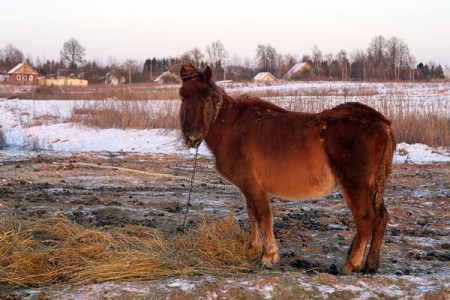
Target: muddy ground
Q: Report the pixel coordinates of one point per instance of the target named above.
(313, 235)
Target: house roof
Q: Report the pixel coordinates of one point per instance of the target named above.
(297, 67)
(13, 70)
(261, 75)
(166, 73)
(16, 68)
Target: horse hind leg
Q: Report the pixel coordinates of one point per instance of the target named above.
(379, 229)
(364, 217)
(382, 215)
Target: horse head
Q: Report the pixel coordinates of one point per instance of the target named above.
(199, 103)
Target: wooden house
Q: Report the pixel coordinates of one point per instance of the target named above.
(298, 70)
(23, 73)
(264, 77)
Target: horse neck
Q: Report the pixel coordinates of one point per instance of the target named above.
(224, 104)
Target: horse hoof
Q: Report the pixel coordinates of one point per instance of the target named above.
(349, 269)
(266, 263)
(371, 267)
(346, 270)
(269, 260)
(370, 270)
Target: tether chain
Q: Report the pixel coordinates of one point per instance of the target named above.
(153, 174)
(191, 187)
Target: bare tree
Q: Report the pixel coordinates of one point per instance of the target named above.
(12, 57)
(266, 56)
(377, 50)
(197, 56)
(193, 56)
(359, 64)
(72, 53)
(398, 54)
(392, 50)
(233, 65)
(216, 55)
(341, 57)
(290, 60)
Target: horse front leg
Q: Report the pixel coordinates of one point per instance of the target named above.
(255, 233)
(260, 216)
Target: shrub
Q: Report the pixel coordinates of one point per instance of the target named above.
(2, 139)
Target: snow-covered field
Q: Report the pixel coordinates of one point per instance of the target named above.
(40, 124)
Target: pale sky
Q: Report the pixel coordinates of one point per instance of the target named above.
(138, 29)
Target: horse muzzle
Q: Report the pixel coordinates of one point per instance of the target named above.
(193, 141)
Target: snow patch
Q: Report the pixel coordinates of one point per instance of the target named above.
(184, 285)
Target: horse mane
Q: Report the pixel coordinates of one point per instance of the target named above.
(258, 103)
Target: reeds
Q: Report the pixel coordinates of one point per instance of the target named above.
(127, 114)
(136, 91)
(432, 130)
(56, 250)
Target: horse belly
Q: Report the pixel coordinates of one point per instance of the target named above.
(303, 180)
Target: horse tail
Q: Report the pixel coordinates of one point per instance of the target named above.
(384, 169)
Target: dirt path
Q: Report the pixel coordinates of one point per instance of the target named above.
(313, 235)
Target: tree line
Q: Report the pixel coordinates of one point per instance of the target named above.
(383, 60)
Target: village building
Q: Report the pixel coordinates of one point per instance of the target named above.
(264, 77)
(23, 73)
(298, 71)
(166, 77)
(62, 81)
(3, 78)
(114, 78)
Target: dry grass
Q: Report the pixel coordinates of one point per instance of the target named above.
(127, 114)
(430, 130)
(56, 250)
(136, 91)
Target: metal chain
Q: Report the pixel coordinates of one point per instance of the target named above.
(190, 189)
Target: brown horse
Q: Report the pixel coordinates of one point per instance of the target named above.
(264, 149)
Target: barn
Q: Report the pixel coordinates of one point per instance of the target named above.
(298, 70)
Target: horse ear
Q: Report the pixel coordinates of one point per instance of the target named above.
(184, 73)
(207, 74)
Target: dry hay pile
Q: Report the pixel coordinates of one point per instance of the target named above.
(56, 250)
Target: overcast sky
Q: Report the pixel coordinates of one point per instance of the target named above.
(139, 29)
